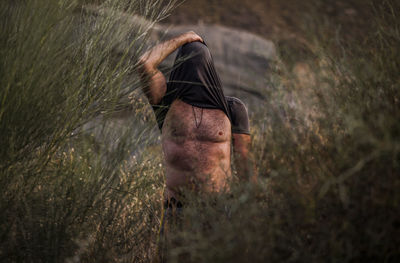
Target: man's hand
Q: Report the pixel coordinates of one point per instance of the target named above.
(191, 36)
(149, 61)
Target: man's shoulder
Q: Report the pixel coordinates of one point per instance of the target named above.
(239, 115)
(236, 106)
(234, 100)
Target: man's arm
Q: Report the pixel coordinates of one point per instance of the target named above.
(243, 157)
(156, 83)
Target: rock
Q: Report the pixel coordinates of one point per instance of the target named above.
(242, 59)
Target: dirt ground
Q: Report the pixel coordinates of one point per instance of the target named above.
(287, 22)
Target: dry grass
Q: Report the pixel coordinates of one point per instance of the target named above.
(326, 143)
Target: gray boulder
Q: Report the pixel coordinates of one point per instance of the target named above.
(242, 59)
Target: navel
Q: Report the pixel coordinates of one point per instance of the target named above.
(221, 133)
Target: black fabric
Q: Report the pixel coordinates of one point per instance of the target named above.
(195, 81)
(239, 116)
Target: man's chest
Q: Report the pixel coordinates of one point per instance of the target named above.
(187, 123)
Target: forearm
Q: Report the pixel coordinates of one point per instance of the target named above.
(153, 58)
(245, 166)
(154, 81)
(244, 160)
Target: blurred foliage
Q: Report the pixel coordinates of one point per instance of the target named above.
(70, 188)
(326, 143)
(79, 186)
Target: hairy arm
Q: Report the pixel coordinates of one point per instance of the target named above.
(243, 157)
(155, 80)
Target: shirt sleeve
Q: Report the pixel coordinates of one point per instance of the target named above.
(239, 116)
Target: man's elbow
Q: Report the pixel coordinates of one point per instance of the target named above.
(146, 69)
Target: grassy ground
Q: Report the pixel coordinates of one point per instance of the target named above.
(326, 142)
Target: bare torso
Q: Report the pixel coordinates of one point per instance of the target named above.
(196, 144)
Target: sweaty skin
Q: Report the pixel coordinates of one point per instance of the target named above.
(196, 149)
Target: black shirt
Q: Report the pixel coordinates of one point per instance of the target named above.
(195, 81)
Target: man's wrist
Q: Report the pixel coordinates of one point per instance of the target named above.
(184, 38)
(189, 37)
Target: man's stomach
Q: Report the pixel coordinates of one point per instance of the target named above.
(202, 169)
(196, 144)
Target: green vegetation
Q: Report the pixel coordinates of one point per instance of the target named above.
(326, 144)
(67, 191)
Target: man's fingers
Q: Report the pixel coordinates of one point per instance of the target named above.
(192, 37)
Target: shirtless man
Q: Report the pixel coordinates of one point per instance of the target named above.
(197, 122)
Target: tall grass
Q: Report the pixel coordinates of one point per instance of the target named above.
(326, 143)
(70, 191)
(79, 185)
